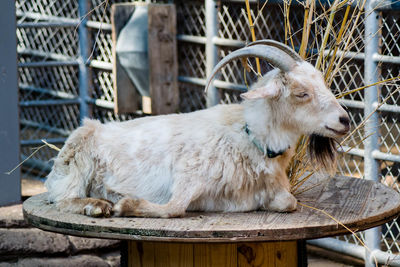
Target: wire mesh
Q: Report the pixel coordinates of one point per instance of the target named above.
(390, 121)
(47, 43)
(38, 119)
(66, 9)
(191, 18)
(192, 60)
(38, 84)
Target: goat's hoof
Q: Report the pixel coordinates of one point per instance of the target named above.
(283, 202)
(98, 208)
(127, 207)
(292, 206)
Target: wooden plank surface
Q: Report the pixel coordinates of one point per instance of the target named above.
(359, 204)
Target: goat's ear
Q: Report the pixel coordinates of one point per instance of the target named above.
(270, 90)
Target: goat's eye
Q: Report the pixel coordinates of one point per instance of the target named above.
(302, 95)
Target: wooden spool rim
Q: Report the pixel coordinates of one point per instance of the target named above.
(366, 204)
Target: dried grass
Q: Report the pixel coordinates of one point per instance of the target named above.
(35, 150)
(100, 30)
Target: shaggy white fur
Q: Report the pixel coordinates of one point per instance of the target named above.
(162, 166)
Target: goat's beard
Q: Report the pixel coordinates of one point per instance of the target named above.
(322, 152)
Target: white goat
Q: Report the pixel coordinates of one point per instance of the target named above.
(226, 158)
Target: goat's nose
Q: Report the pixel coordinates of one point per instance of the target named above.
(345, 121)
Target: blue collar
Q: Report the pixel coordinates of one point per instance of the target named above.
(265, 150)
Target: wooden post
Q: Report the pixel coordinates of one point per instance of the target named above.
(163, 59)
(262, 254)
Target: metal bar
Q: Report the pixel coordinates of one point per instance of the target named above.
(38, 53)
(217, 83)
(98, 25)
(386, 59)
(191, 39)
(229, 86)
(101, 103)
(352, 151)
(38, 64)
(355, 250)
(100, 65)
(376, 154)
(371, 167)
(57, 22)
(50, 102)
(371, 93)
(40, 16)
(361, 105)
(385, 156)
(51, 92)
(192, 80)
(36, 142)
(361, 56)
(47, 24)
(387, 107)
(215, 40)
(228, 42)
(83, 56)
(352, 103)
(347, 54)
(211, 49)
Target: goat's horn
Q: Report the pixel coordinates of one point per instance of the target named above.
(279, 45)
(273, 55)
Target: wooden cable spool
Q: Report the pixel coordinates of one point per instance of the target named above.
(258, 238)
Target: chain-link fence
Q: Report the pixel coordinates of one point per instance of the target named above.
(59, 86)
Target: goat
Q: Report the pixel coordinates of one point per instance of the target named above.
(229, 158)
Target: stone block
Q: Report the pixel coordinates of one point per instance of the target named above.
(84, 243)
(74, 261)
(32, 241)
(11, 217)
(113, 258)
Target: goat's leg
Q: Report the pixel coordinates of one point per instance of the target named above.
(88, 206)
(176, 207)
(283, 201)
(127, 207)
